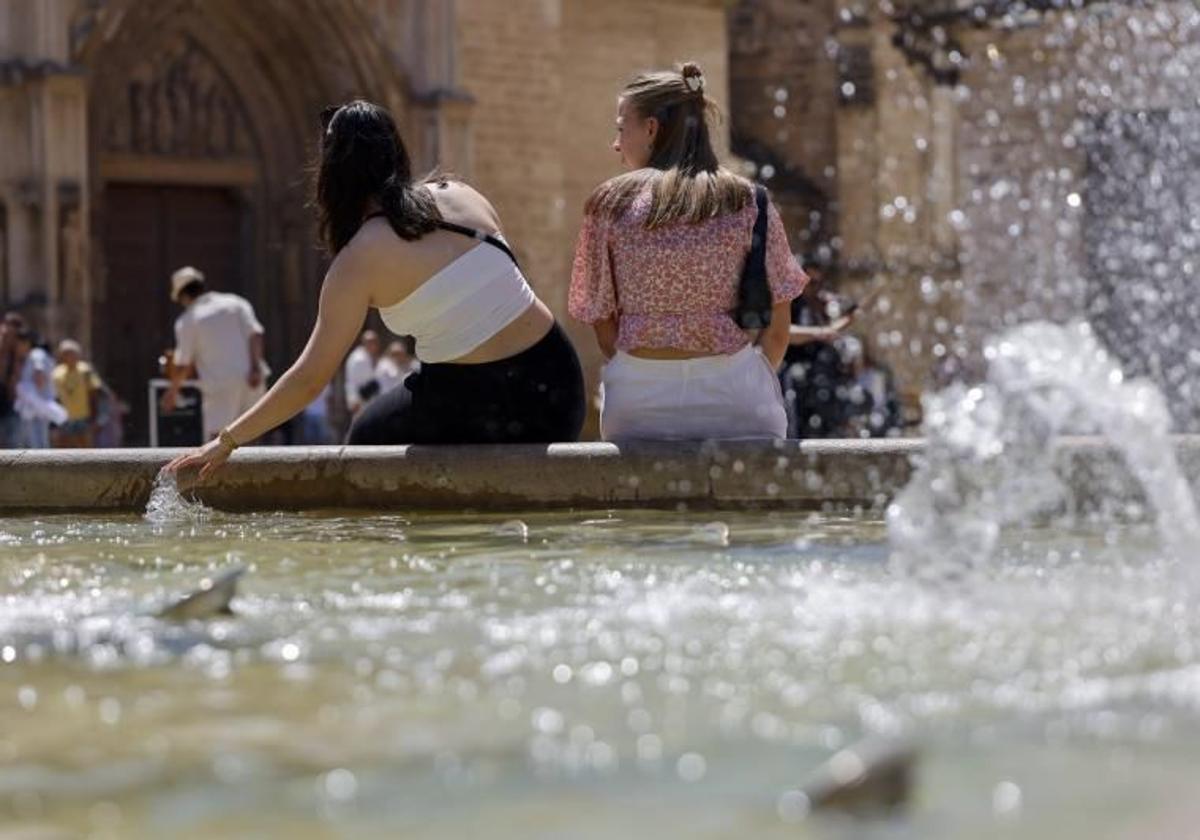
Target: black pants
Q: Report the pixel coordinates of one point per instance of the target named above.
(536, 396)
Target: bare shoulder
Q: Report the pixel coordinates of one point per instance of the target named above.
(372, 249)
(463, 204)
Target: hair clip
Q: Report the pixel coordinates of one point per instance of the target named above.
(695, 83)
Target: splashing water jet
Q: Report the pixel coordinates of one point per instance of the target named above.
(988, 460)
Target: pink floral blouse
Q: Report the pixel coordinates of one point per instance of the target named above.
(674, 286)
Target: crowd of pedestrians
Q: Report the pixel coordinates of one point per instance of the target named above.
(831, 385)
(371, 371)
(52, 397)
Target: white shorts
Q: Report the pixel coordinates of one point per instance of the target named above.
(734, 396)
(225, 403)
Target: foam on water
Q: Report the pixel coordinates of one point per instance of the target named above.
(989, 457)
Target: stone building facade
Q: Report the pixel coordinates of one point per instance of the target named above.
(139, 135)
(991, 163)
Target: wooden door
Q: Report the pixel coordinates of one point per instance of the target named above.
(149, 231)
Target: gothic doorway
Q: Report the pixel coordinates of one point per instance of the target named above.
(202, 117)
(148, 232)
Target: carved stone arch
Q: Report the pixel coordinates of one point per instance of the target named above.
(289, 58)
(222, 95)
(177, 101)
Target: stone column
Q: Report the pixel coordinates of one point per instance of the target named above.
(43, 176)
(440, 107)
(897, 193)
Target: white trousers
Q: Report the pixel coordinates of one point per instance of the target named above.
(730, 396)
(226, 402)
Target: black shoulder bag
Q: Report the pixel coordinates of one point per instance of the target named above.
(753, 310)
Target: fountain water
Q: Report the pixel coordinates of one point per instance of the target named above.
(989, 463)
(168, 505)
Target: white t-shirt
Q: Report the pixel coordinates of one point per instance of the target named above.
(214, 335)
(360, 369)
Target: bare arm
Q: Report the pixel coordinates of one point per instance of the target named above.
(829, 332)
(774, 339)
(345, 298)
(343, 305)
(606, 336)
(179, 374)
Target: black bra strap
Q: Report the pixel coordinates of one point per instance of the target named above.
(494, 241)
(478, 234)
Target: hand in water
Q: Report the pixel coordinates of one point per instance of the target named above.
(208, 458)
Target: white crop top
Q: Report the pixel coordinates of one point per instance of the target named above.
(463, 305)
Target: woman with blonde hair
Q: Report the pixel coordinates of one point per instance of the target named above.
(657, 273)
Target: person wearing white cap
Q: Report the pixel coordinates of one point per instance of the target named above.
(220, 335)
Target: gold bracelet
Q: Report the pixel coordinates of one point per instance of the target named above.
(226, 439)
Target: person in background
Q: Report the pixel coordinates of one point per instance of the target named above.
(78, 390)
(361, 384)
(35, 393)
(814, 377)
(396, 365)
(10, 373)
(111, 411)
(657, 272)
(314, 427)
(221, 336)
(874, 404)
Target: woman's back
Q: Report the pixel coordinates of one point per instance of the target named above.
(674, 285)
(413, 261)
(399, 270)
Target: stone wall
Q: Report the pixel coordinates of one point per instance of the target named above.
(1078, 184)
(963, 172)
(857, 146)
(783, 95)
(545, 75)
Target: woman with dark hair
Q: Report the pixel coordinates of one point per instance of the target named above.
(657, 270)
(429, 255)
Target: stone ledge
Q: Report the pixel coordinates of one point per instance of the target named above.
(730, 474)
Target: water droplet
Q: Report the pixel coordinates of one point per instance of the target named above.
(691, 767)
(340, 785)
(1006, 800)
(793, 806)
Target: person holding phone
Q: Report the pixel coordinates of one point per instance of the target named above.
(815, 378)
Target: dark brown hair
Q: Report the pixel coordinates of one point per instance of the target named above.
(363, 158)
(687, 181)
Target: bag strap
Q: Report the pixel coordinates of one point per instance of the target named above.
(756, 261)
(494, 241)
(753, 310)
